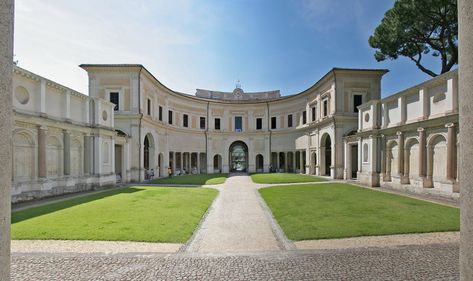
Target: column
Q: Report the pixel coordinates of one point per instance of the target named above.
(6, 66)
(451, 151)
(294, 161)
(198, 162)
(400, 153)
(182, 162)
(87, 153)
(422, 154)
(301, 163)
(97, 140)
(67, 152)
(383, 157)
(465, 72)
(347, 161)
(360, 155)
(42, 172)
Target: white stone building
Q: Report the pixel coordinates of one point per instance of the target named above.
(131, 128)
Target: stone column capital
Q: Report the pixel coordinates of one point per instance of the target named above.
(420, 129)
(42, 127)
(450, 125)
(399, 133)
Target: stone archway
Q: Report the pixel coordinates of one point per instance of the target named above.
(238, 157)
(149, 161)
(326, 155)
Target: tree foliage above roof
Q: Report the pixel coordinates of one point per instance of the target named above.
(414, 28)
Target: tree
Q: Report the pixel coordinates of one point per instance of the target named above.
(413, 28)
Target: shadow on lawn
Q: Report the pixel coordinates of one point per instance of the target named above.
(21, 215)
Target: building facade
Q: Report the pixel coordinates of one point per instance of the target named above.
(132, 128)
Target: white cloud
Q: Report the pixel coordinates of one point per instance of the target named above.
(53, 37)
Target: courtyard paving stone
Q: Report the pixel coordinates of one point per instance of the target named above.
(419, 262)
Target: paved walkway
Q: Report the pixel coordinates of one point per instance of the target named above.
(239, 240)
(236, 221)
(425, 262)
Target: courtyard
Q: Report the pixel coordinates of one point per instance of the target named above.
(219, 230)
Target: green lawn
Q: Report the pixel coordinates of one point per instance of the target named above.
(153, 214)
(200, 179)
(283, 178)
(336, 210)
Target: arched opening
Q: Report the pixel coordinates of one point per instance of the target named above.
(23, 157)
(392, 159)
(238, 157)
(412, 158)
(148, 156)
(313, 163)
(217, 163)
(54, 156)
(437, 160)
(259, 163)
(76, 157)
(161, 165)
(326, 150)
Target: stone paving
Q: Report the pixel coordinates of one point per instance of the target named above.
(239, 240)
(426, 262)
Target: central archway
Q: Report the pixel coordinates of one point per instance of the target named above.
(238, 157)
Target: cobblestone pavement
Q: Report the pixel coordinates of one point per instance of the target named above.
(427, 262)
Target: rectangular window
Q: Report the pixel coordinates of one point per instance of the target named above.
(115, 98)
(304, 117)
(160, 113)
(273, 122)
(325, 108)
(259, 123)
(238, 123)
(149, 107)
(357, 100)
(313, 114)
(289, 121)
(217, 124)
(185, 120)
(170, 117)
(202, 123)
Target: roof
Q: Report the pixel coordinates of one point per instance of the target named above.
(141, 67)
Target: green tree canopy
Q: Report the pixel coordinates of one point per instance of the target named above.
(413, 28)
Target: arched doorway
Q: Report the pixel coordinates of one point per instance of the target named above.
(326, 154)
(146, 154)
(149, 160)
(238, 157)
(259, 163)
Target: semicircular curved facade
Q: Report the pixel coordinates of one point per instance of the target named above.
(298, 133)
(132, 128)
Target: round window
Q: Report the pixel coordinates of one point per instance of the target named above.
(367, 117)
(22, 95)
(104, 115)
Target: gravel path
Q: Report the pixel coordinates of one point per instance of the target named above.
(236, 221)
(83, 247)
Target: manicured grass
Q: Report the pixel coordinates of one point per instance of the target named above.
(336, 210)
(200, 179)
(283, 178)
(153, 214)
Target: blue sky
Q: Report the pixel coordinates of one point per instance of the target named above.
(187, 44)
